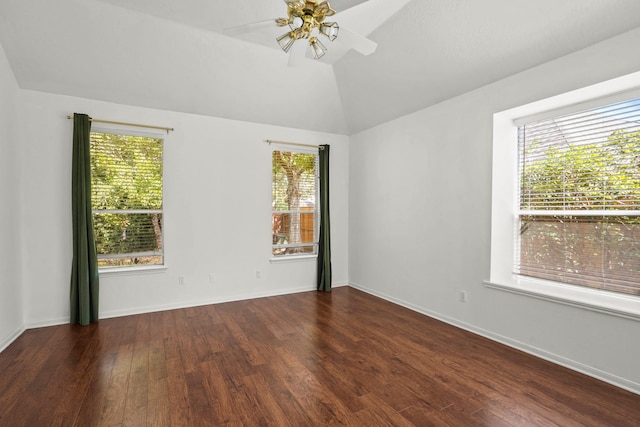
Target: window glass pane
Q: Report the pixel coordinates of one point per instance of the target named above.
(127, 239)
(294, 206)
(579, 198)
(284, 230)
(126, 187)
(594, 251)
(586, 161)
(126, 172)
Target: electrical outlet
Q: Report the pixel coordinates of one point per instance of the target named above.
(258, 274)
(462, 296)
(212, 278)
(181, 280)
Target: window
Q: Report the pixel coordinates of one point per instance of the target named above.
(566, 198)
(126, 199)
(579, 198)
(294, 196)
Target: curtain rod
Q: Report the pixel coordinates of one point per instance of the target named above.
(271, 141)
(129, 124)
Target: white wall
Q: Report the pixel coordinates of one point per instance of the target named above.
(420, 209)
(11, 320)
(217, 211)
(417, 192)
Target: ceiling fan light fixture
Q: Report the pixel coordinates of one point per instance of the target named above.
(286, 40)
(306, 20)
(322, 10)
(295, 22)
(317, 48)
(329, 30)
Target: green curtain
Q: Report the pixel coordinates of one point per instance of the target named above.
(84, 269)
(324, 242)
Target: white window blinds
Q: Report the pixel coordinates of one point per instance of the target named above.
(126, 199)
(294, 196)
(579, 198)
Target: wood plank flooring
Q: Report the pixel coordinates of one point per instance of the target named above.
(308, 359)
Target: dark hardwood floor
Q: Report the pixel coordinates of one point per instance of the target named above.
(309, 359)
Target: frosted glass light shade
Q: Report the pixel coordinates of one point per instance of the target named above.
(286, 41)
(330, 30)
(317, 48)
(295, 23)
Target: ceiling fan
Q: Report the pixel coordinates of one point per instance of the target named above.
(306, 22)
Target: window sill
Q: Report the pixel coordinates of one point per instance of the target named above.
(123, 271)
(612, 303)
(293, 258)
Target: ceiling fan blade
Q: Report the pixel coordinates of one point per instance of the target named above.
(298, 52)
(295, 1)
(356, 42)
(249, 28)
(342, 5)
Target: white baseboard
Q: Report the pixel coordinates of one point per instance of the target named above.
(535, 351)
(6, 341)
(50, 322)
(175, 306)
(198, 303)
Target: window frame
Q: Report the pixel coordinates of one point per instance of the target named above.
(138, 269)
(505, 203)
(316, 226)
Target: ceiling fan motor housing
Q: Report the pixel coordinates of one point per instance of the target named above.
(305, 16)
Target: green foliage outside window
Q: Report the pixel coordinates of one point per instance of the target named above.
(602, 175)
(294, 206)
(126, 179)
(599, 250)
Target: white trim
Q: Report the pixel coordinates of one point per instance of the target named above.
(49, 322)
(127, 211)
(505, 209)
(293, 258)
(583, 105)
(119, 129)
(125, 270)
(576, 99)
(129, 255)
(303, 149)
(612, 303)
(199, 303)
(212, 301)
(9, 339)
(534, 351)
(339, 285)
(585, 212)
(294, 245)
(162, 307)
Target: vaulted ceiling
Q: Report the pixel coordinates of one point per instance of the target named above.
(173, 55)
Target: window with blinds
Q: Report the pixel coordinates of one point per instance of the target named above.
(579, 198)
(294, 196)
(126, 199)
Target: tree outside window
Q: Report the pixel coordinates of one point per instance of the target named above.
(126, 180)
(294, 203)
(580, 199)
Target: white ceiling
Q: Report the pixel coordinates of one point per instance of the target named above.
(172, 54)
